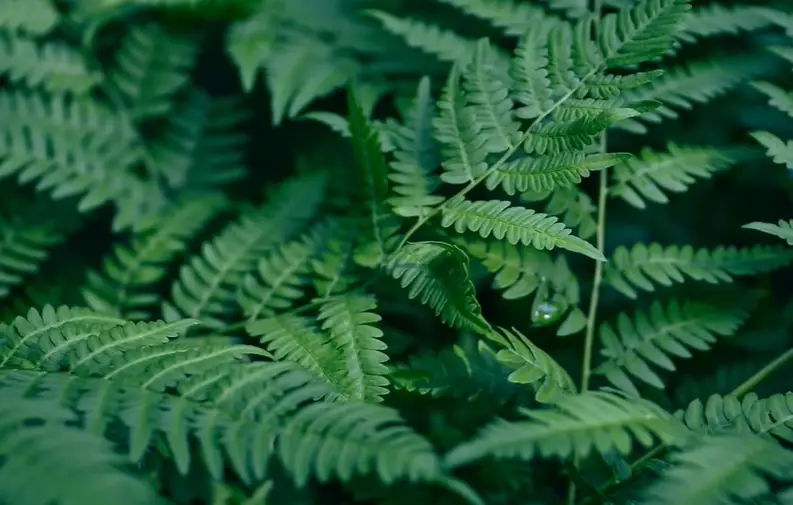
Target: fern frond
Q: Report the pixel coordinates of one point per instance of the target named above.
(716, 19)
(632, 344)
(720, 470)
(778, 150)
(27, 334)
(126, 286)
(35, 17)
(201, 144)
(26, 237)
(460, 372)
(644, 266)
(645, 177)
(264, 401)
(512, 17)
(150, 66)
(751, 414)
(516, 225)
(371, 173)
(783, 229)
(575, 426)
(534, 366)
(544, 173)
(206, 287)
(334, 270)
(415, 158)
(39, 441)
(52, 66)
(297, 339)
(281, 277)
(693, 83)
(348, 321)
(437, 273)
(446, 45)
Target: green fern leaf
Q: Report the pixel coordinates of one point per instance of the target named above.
(644, 266)
(34, 17)
(699, 82)
(632, 344)
(694, 479)
(297, 339)
(513, 18)
(459, 372)
(348, 321)
(39, 441)
(777, 149)
(716, 19)
(751, 414)
(783, 229)
(130, 274)
(516, 225)
(645, 177)
(371, 174)
(574, 427)
(206, 288)
(415, 158)
(52, 66)
(534, 366)
(201, 144)
(151, 65)
(284, 276)
(437, 274)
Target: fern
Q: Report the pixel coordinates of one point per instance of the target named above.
(594, 420)
(631, 345)
(642, 267)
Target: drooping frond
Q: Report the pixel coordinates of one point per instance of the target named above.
(151, 65)
(632, 344)
(437, 274)
(127, 285)
(645, 266)
(644, 178)
(415, 158)
(575, 425)
(534, 366)
(207, 286)
(728, 469)
(516, 225)
(783, 229)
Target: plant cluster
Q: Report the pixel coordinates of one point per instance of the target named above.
(356, 251)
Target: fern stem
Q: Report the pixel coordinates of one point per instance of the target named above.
(597, 278)
(752, 382)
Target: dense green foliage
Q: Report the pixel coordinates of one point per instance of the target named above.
(355, 251)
